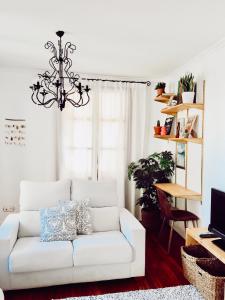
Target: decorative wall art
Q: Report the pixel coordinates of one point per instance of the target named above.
(180, 156)
(15, 132)
(190, 127)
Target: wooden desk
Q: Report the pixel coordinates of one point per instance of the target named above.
(192, 238)
(178, 191)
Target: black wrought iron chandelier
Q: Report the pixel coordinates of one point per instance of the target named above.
(60, 85)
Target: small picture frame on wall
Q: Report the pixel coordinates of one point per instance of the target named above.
(15, 132)
(181, 156)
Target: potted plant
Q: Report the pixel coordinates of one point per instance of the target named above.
(157, 128)
(156, 168)
(187, 86)
(160, 88)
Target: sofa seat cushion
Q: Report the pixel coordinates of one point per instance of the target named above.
(100, 248)
(29, 255)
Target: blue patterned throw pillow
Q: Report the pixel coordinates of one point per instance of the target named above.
(58, 224)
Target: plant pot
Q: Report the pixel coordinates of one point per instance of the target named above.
(150, 219)
(157, 130)
(159, 92)
(163, 130)
(188, 97)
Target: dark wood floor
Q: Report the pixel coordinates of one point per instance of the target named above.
(162, 270)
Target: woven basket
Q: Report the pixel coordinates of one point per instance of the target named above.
(189, 255)
(210, 278)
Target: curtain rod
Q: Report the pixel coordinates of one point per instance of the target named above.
(113, 80)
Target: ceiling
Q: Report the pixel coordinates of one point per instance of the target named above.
(138, 38)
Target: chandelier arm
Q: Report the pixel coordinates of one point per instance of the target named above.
(44, 103)
(69, 92)
(36, 100)
(88, 99)
(70, 75)
(47, 84)
(49, 45)
(68, 46)
(52, 61)
(80, 102)
(52, 101)
(39, 101)
(74, 103)
(32, 98)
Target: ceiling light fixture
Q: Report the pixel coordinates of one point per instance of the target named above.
(60, 85)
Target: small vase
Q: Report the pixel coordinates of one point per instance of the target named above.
(188, 97)
(157, 130)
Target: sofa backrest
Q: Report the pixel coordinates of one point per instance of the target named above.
(36, 195)
(101, 194)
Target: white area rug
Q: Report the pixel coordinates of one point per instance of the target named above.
(184, 292)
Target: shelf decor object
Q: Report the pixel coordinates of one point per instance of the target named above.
(60, 85)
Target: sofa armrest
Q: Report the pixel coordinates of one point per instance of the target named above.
(135, 234)
(8, 236)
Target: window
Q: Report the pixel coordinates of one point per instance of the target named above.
(94, 136)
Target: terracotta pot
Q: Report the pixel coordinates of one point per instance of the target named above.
(163, 130)
(159, 92)
(150, 219)
(157, 130)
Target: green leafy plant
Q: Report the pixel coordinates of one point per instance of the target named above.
(160, 85)
(156, 168)
(186, 83)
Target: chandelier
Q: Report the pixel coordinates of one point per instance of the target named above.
(60, 85)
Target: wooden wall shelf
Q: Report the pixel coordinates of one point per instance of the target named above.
(172, 110)
(164, 98)
(178, 191)
(187, 140)
(179, 140)
(192, 238)
(163, 137)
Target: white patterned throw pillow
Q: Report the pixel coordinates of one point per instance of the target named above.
(58, 224)
(83, 215)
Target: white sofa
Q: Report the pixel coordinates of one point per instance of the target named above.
(116, 248)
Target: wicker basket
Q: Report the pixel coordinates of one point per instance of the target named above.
(210, 278)
(189, 255)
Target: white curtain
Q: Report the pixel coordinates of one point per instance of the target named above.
(99, 140)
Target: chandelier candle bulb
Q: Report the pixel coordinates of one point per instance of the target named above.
(51, 87)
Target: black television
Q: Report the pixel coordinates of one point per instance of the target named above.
(217, 222)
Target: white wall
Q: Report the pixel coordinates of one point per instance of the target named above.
(208, 66)
(35, 161)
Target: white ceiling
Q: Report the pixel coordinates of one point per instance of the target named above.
(135, 38)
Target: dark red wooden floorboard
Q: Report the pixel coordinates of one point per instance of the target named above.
(162, 270)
